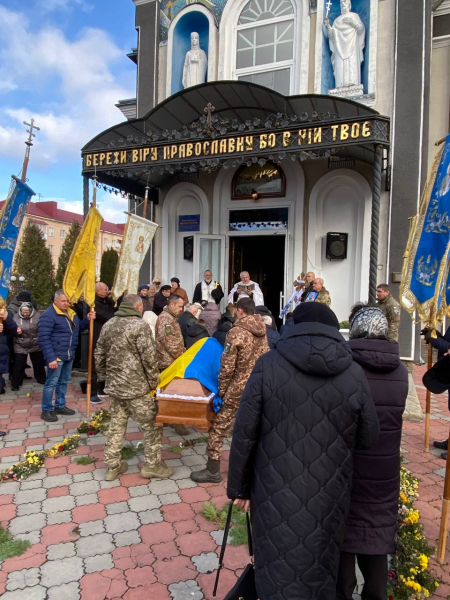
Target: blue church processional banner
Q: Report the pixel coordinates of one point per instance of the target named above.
(11, 219)
(424, 282)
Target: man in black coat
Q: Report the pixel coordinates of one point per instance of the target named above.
(373, 518)
(104, 310)
(188, 318)
(442, 344)
(304, 409)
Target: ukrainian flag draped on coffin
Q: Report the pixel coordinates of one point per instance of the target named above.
(425, 268)
(11, 217)
(201, 362)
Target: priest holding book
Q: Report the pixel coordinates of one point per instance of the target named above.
(246, 288)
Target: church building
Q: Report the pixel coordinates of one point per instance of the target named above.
(281, 136)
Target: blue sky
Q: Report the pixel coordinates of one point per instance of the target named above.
(64, 63)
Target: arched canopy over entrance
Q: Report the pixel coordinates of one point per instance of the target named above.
(229, 124)
(246, 122)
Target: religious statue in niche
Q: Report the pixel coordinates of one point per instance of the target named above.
(347, 39)
(195, 63)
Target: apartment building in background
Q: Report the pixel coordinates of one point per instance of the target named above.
(55, 223)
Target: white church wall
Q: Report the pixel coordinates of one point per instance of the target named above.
(341, 202)
(182, 199)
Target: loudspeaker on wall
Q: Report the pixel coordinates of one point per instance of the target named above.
(188, 245)
(336, 248)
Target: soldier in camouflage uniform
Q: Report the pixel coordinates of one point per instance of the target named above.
(391, 310)
(170, 341)
(125, 359)
(245, 343)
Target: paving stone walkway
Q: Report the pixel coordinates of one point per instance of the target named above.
(132, 538)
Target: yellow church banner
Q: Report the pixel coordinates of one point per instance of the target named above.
(138, 236)
(80, 274)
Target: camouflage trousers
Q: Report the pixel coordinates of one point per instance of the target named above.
(219, 429)
(143, 410)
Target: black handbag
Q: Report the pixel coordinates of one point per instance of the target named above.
(244, 588)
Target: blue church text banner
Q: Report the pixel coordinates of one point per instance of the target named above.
(425, 269)
(11, 219)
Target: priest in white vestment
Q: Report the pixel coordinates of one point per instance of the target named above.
(195, 63)
(246, 288)
(347, 40)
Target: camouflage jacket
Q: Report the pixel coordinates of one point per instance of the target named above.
(391, 310)
(125, 356)
(324, 297)
(169, 339)
(245, 343)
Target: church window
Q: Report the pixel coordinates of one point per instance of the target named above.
(265, 36)
(266, 181)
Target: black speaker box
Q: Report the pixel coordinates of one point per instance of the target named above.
(336, 248)
(188, 248)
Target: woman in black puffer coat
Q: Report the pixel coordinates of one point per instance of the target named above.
(372, 521)
(305, 407)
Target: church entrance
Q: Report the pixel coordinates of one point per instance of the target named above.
(263, 256)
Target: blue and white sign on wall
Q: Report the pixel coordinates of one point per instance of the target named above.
(189, 223)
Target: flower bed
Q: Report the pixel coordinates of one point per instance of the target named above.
(409, 575)
(33, 461)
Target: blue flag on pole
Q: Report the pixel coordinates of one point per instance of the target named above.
(11, 219)
(425, 270)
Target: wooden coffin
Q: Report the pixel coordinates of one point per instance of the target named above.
(185, 402)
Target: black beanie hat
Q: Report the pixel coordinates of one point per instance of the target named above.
(24, 296)
(315, 312)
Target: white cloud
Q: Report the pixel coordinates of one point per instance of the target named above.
(78, 81)
(47, 6)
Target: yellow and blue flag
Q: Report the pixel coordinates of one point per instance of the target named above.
(202, 362)
(11, 218)
(425, 269)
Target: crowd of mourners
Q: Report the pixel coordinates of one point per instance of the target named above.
(316, 420)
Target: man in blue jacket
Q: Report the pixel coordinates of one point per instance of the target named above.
(58, 339)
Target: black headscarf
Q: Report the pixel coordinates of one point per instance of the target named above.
(314, 312)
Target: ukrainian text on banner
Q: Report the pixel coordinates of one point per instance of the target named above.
(11, 218)
(136, 241)
(80, 274)
(425, 267)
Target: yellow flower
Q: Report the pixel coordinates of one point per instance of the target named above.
(423, 561)
(426, 593)
(413, 517)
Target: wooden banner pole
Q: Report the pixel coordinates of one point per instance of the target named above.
(428, 403)
(90, 359)
(91, 329)
(445, 513)
(144, 211)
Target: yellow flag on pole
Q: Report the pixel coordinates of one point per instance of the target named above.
(80, 274)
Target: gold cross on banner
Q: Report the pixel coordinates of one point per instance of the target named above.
(209, 109)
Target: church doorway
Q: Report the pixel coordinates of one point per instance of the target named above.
(263, 256)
